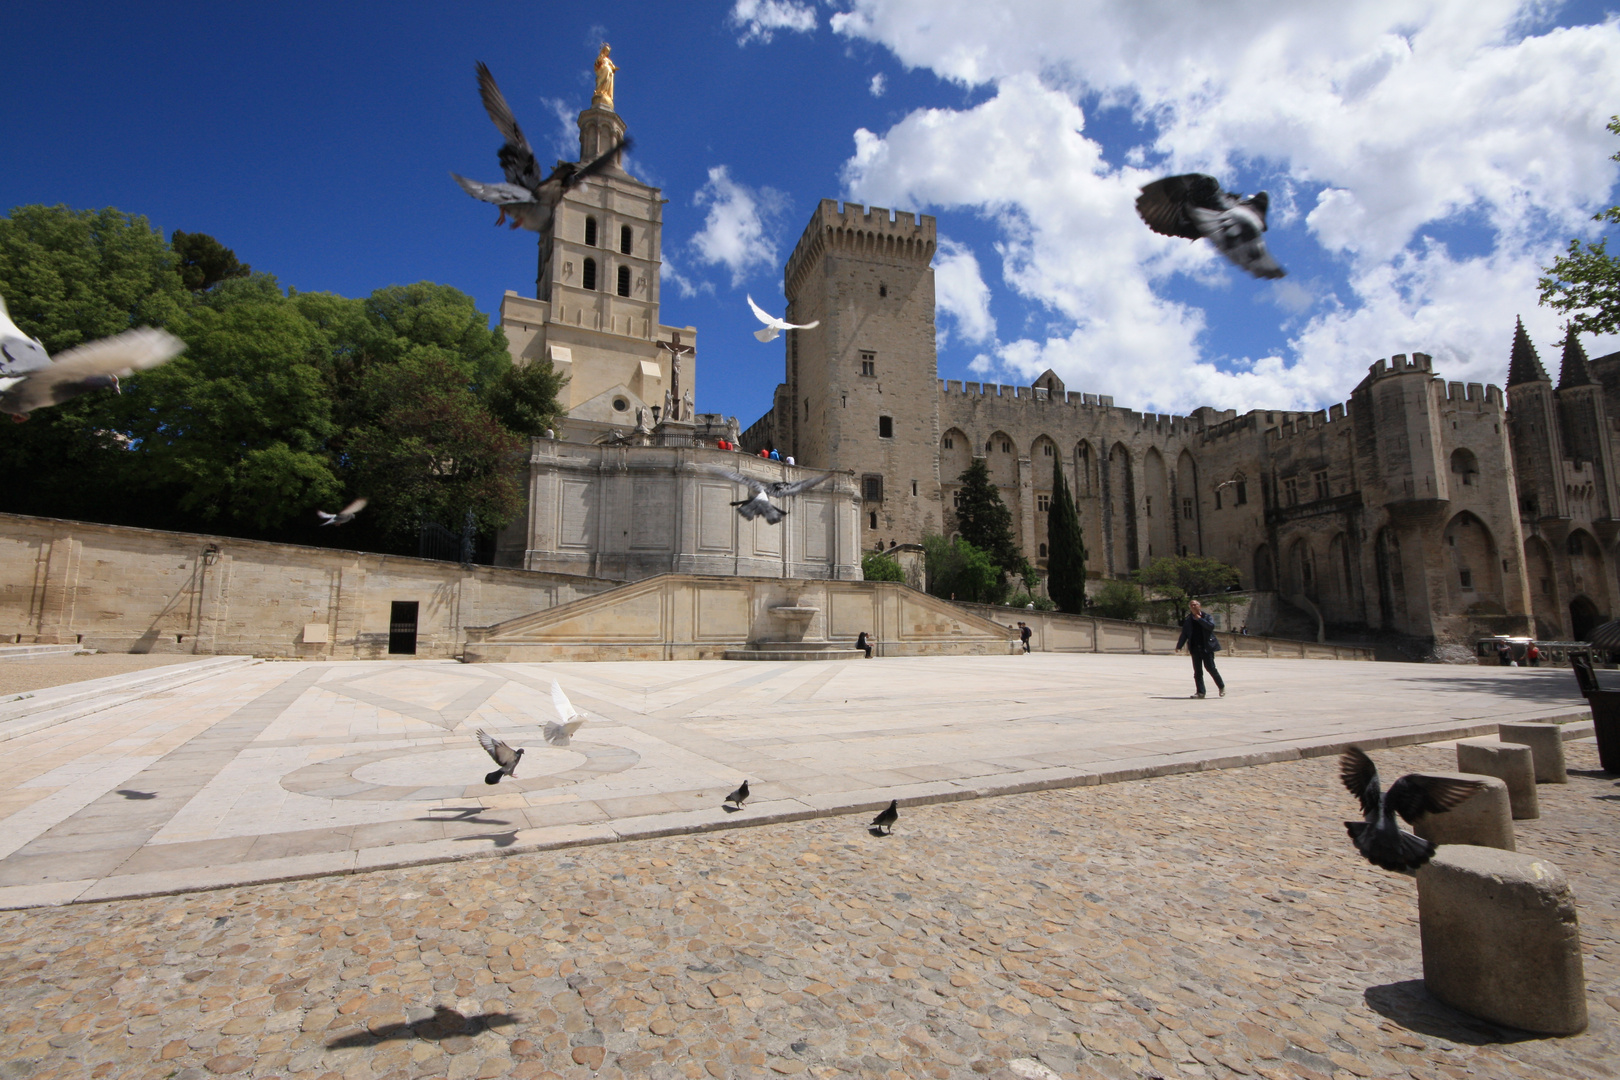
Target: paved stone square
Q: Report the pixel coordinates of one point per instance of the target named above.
(273, 770)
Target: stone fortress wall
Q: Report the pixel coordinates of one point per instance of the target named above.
(1420, 507)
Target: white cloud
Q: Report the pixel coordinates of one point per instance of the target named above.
(1372, 122)
(670, 273)
(760, 19)
(738, 232)
(961, 293)
(878, 85)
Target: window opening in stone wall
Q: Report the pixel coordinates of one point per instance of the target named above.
(1217, 498)
(1006, 447)
(1043, 503)
(1574, 544)
(883, 290)
(624, 281)
(1187, 509)
(868, 363)
(1322, 489)
(914, 488)
(872, 488)
(625, 238)
(1242, 493)
(871, 520)
(885, 427)
(588, 276)
(950, 444)
(590, 232)
(1046, 451)
(1147, 504)
(956, 499)
(1043, 551)
(1465, 465)
(1290, 493)
(1467, 577)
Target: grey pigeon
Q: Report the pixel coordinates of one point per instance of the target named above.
(30, 379)
(759, 503)
(506, 757)
(888, 817)
(343, 516)
(527, 199)
(739, 796)
(570, 718)
(1193, 206)
(1379, 837)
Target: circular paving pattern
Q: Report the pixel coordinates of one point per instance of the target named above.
(433, 770)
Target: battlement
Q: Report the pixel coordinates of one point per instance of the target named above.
(1456, 395)
(861, 231)
(1034, 394)
(1400, 365)
(1295, 424)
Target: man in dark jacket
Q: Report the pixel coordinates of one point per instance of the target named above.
(1198, 634)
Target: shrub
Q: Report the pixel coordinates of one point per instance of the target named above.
(879, 567)
(1117, 600)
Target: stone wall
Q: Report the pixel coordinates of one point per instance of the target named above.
(141, 590)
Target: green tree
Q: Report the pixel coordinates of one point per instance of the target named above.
(984, 521)
(1117, 600)
(203, 262)
(1066, 548)
(957, 569)
(1178, 577)
(1584, 282)
(525, 399)
(876, 566)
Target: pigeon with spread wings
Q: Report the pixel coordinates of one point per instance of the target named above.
(1379, 837)
(527, 199)
(773, 325)
(759, 503)
(506, 757)
(561, 732)
(1194, 207)
(343, 516)
(30, 379)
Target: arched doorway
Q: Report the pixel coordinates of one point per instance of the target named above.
(1583, 618)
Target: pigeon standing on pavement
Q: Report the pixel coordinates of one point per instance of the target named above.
(527, 199)
(1379, 837)
(30, 379)
(773, 325)
(888, 817)
(759, 504)
(343, 516)
(569, 718)
(739, 796)
(506, 757)
(1194, 206)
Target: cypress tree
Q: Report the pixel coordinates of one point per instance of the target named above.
(1066, 548)
(984, 521)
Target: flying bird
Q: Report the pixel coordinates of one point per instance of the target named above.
(1379, 837)
(527, 199)
(759, 503)
(30, 379)
(561, 734)
(506, 757)
(773, 325)
(1194, 206)
(343, 516)
(888, 817)
(739, 796)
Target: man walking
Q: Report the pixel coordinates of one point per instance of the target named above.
(1024, 634)
(1198, 634)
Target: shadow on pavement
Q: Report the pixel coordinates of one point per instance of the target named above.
(444, 1023)
(1411, 1005)
(1554, 686)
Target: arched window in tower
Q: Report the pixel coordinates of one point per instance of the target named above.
(625, 239)
(588, 277)
(1464, 465)
(590, 233)
(624, 281)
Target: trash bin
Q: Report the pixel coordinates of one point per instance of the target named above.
(1605, 710)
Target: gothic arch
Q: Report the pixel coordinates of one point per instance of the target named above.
(1584, 617)
(1085, 469)
(1391, 580)
(1299, 569)
(1119, 511)
(955, 455)
(1337, 585)
(1001, 455)
(1588, 573)
(1474, 583)
(1544, 591)
(1189, 513)
(1157, 514)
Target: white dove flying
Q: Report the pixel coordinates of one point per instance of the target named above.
(773, 325)
(343, 516)
(30, 379)
(561, 734)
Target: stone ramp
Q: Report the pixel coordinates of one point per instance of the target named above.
(697, 617)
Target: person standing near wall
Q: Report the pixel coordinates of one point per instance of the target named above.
(1024, 634)
(1198, 635)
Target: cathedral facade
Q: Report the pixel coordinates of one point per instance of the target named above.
(1429, 509)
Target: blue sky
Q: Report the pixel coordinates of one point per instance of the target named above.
(1424, 159)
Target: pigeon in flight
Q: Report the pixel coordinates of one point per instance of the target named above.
(888, 817)
(759, 503)
(343, 516)
(1379, 837)
(739, 796)
(561, 734)
(1193, 205)
(527, 199)
(30, 379)
(773, 325)
(506, 757)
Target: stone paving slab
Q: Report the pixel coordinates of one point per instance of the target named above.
(282, 771)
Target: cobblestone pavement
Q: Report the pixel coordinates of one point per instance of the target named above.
(1206, 924)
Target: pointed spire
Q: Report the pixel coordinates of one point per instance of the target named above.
(1575, 371)
(1525, 366)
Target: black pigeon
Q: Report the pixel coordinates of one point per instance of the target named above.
(1193, 206)
(887, 818)
(758, 504)
(527, 199)
(506, 757)
(739, 796)
(1379, 837)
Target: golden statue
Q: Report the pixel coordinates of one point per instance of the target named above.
(604, 79)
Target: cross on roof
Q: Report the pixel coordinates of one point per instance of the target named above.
(673, 345)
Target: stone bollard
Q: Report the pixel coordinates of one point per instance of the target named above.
(1508, 762)
(1484, 819)
(1501, 940)
(1546, 743)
